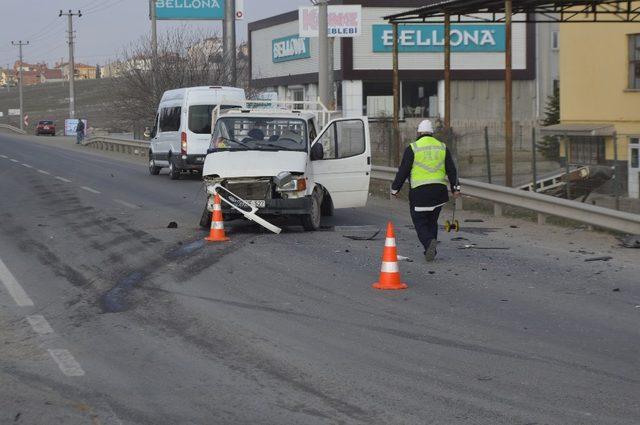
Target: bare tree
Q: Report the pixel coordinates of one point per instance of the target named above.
(185, 59)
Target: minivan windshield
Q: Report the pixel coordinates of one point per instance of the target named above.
(200, 117)
(260, 133)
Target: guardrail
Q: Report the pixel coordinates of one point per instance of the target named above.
(114, 144)
(544, 205)
(12, 128)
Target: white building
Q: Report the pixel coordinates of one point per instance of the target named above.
(284, 63)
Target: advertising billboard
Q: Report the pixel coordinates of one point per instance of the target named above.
(422, 38)
(290, 48)
(190, 9)
(344, 21)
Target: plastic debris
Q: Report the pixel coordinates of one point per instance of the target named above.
(403, 258)
(473, 246)
(368, 237)
(603, 258)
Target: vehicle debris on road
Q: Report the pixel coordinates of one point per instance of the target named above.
(603, 258)
(630, 241)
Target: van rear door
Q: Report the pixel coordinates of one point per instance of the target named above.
(346, 166)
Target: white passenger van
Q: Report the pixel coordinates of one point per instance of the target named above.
(182, 128)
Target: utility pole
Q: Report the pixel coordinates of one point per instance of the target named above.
(20, 44)
(8, 82)
(229, 36)
(72, 65)
(323, 41)
(154, 44)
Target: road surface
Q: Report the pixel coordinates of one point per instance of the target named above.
(109, 317)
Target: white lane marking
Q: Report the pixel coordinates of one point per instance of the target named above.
(27, 165)
(126, 204)
(15, 290)
(88, 189)
(39, 324)
(44, 172)
(13, 160)
(4, 156)
(66, 362)
(62, 179)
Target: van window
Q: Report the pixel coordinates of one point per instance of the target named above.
(170, 119)
(200, 117)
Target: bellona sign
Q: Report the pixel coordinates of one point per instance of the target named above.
(430, 38)
(190, 9)
(290, 48)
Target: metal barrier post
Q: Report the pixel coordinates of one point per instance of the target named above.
(487, 152)
(534, 170)
(616, 176)
(567, 148)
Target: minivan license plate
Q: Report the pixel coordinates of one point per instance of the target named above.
(257, 204)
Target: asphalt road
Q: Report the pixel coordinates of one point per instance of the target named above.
(124, 321)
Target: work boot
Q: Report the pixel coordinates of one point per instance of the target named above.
(430, 253)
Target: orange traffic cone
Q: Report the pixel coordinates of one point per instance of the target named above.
(217, 223)
(389, 272)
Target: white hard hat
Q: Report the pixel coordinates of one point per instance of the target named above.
(425, 127)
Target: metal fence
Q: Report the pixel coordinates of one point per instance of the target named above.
(478, 148)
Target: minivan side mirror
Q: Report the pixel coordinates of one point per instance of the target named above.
(317, 152)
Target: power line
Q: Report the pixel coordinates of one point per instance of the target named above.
(102, 7)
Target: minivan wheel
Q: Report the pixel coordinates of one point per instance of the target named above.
(154, 170)
(205, 219)
(311, 221)
(174, 172)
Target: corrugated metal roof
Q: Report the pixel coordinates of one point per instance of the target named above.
(435, 8)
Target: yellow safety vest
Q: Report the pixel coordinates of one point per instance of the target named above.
(428, 162)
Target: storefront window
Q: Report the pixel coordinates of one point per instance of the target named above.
(418, 99)
(634, 61)
(587, 151)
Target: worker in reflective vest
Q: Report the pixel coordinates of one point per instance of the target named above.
(427, 163)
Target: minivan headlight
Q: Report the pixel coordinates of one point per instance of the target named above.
(296, 185)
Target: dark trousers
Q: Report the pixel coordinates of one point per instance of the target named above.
(426, 224)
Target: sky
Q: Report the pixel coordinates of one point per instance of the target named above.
(104, 30)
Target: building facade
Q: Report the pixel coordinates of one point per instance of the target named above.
(284, 63)
(600, 90)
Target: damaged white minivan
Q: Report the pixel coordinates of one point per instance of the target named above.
(281, 163)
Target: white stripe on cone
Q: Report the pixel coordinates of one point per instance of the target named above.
(217, 225)
(390, 242)
(217, 207)
(389, 267)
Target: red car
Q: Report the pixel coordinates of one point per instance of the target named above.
(46, 127)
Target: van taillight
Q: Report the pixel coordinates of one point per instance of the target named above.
(183, 143)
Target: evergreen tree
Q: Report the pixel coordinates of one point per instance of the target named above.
(550, 147)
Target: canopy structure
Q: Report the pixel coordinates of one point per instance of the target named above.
(501, 12)
(538, 11)
(585, 130)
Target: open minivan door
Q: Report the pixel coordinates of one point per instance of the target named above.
(343, 167)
